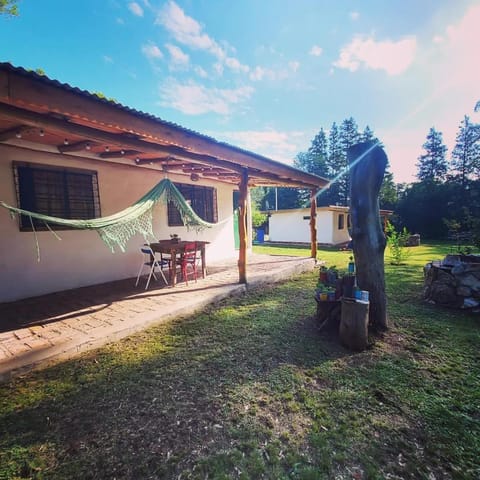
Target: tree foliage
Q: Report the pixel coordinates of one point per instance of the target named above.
(9, 7)
(466, 153)
(432, 165)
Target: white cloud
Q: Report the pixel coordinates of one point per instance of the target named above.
(235, 65)
(194, 99)
(316, 51)
(438, 39)
(281, 146)
(179, 58)
(200, 72)
(187, 31)
(393, 57)
(107, 59)
(294, 66)
(354, 15)
(218, 68)
(120, 21)
(136, 9)
(151, 51)
(257, 73)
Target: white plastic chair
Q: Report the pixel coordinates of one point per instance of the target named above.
(152, 262)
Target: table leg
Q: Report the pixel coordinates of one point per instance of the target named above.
(173, 256)
(204, 266)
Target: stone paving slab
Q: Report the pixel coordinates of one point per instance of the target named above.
(38, 331)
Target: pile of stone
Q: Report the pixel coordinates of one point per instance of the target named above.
(454, 282)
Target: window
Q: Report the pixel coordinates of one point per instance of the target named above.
(341, 221)
(203, 200)
(58, 192)
(349, 222)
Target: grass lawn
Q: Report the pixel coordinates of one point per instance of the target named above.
(251, 390)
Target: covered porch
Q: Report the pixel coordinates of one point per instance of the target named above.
(57, 326)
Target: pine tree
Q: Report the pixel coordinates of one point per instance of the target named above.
(318, 153)
(335, 165)
(432, 166)
(348, 136)
(367, 134)
(466, 153)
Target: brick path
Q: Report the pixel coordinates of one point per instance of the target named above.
(37, 331)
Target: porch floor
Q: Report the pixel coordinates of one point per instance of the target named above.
(37, 331)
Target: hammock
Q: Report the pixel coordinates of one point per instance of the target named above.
(117, 229)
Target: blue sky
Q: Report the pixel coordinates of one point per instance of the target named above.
(266, 75)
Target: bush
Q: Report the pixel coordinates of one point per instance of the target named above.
(397, 244)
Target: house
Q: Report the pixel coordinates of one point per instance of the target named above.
(333, 224)
(67, 153)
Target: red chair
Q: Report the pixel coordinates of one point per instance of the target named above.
(189, 259)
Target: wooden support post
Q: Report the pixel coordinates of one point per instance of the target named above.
(313, 224)
(242, 227)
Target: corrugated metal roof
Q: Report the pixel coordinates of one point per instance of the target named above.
(65, 86)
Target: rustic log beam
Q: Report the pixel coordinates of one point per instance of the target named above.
(15, 132)
(242, 227)
(74, 147)
(313, 224)
(367, 167)
(210, 151)
(119, 154)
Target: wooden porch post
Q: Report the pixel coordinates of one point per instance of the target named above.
(242, 227)
(313, 224)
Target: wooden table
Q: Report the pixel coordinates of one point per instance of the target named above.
(174, 248)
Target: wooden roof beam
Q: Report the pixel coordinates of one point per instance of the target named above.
(45, 121)
(15, 132)
(118, 153)
(74, 147)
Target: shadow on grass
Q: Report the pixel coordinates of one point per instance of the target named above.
(159, 402)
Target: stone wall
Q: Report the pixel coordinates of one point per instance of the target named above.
(454, 282)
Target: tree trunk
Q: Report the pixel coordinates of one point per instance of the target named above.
(367, 168)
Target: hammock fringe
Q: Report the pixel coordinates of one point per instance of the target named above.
(117, 229)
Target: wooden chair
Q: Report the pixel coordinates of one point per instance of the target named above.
(189, 259)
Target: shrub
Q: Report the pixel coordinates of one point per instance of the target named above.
(397, 244)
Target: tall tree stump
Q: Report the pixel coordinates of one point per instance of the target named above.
(353, 330)
(367, 167)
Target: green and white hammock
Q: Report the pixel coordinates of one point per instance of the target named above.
(117, 229)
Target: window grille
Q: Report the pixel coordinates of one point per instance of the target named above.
(203, 201)
(58, 192)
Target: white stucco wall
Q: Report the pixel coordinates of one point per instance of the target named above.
(80, 258)
(290, 226)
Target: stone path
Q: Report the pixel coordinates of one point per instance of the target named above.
(37, 331)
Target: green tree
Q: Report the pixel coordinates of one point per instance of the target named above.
(388, 196)
(9, 7)
(348, 136)
(335, 164)
(432, 165)
(466, 153)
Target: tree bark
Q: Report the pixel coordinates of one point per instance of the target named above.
(367, 167)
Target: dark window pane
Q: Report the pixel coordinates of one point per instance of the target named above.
(203, 201)
(58, 192)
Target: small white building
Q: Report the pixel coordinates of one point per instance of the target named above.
(293, 225)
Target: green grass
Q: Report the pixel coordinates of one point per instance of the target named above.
(250, 390)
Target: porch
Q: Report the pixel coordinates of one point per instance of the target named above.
(37, 331)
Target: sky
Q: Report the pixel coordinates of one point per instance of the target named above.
(267, 75)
